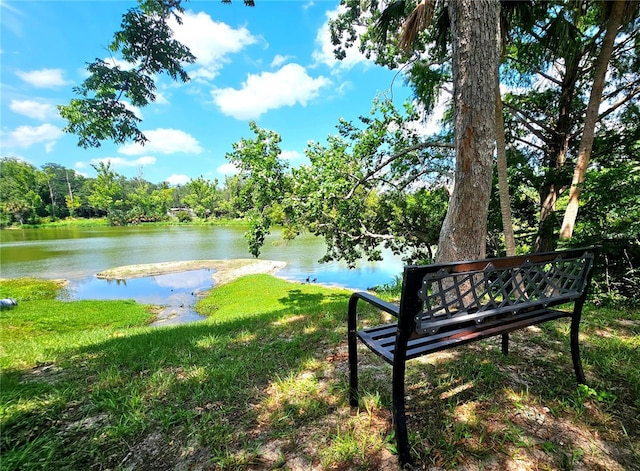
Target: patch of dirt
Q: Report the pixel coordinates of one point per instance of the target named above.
(47, 372)
(153, 453)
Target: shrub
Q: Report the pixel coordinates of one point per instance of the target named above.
(183, 216)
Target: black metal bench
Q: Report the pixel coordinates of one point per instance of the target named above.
(450, 304)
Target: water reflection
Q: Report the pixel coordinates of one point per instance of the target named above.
(176, 292)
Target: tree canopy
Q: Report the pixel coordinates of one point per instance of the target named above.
(381, 181)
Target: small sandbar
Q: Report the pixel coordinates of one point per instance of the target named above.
(225, 270)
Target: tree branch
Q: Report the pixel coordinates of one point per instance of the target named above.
(529, 143)
(520, 115)
(392, 158)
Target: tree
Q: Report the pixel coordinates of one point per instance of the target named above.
(230, 196)
(19, 191)
(551, 65)
(503, 178)
(265, 181)
(615, 18)
(201, 195)
(146, 42)
(108, 193)
(55, 179)
(475, 29)
(475, 33)
(144, 203)
(72, 201)
(375, 183)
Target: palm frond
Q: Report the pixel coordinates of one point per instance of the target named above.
(390, 15)
(419, 19)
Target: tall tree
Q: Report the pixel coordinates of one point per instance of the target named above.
(266, 181)
(476, 40)
(474, 29)
(553, 63)
(615, 17)
(108, 192)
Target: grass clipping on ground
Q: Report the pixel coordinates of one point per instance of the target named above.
(262, 383)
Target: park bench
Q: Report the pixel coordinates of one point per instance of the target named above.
(449, 304)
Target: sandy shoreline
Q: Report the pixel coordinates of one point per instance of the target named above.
(225, 270)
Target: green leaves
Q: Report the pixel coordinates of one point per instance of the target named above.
(108, 190)
(145, 41)
(201, 196)
(375, 184)
(97, 119)
(266, 181)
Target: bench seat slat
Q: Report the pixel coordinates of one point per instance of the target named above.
(381, 339)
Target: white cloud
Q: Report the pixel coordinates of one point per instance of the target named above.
(269, 90)
(34, 109)
(25, 136)
(176, 179)
(290, 155)
(279, 59)
(119, 162)
(44, 78)
(161, 99)
(164, 141)
(120, 63)
(210, 41)
(135, 109)
(324, 49)
(228, 169)
(49, 146)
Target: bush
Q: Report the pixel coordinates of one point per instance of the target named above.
(184, 216)
(616, 275)
(616, 279)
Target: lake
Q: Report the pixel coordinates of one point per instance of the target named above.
(78, 253)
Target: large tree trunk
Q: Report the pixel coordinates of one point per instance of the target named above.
(475, 28)
(584, 153)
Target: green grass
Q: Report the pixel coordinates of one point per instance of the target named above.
(262, 384)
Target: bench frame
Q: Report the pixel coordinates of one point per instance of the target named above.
(521, 292)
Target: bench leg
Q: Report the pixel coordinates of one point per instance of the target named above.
(352, 342)
(399, 417)
(575, 349)
(505, 344)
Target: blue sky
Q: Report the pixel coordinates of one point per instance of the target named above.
(272, 64)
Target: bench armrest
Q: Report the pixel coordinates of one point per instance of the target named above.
(385, 306)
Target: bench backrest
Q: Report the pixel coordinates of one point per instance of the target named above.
(441, 296)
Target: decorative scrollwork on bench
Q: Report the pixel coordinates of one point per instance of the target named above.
(450, 297)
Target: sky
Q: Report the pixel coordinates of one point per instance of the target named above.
(272, 64)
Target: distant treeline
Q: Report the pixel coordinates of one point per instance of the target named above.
(29, 195)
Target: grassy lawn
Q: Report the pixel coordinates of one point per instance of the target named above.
(262, 384)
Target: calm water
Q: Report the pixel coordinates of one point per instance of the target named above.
(78, 253)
